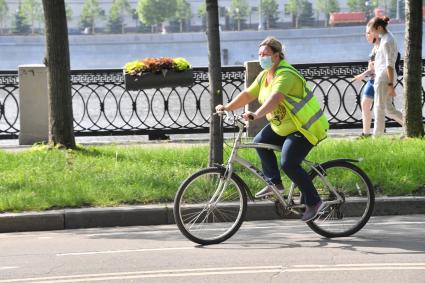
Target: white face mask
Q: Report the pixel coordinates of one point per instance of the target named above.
(265, 62)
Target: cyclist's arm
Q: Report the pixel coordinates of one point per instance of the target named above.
(239, 101)
(269, 105)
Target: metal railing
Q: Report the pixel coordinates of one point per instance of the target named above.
(102, 106)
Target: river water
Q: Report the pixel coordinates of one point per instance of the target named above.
(343, 44)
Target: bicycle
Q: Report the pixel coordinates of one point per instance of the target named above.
(211, 204)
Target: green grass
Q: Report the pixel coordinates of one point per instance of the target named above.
(40, 179)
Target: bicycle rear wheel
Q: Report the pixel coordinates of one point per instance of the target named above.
(355, 187)
(207, 208)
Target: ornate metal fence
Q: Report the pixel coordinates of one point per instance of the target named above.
(102, 106)
(9, 105)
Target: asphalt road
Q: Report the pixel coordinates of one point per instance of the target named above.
(388, 249)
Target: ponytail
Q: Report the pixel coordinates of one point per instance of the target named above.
(376, 22)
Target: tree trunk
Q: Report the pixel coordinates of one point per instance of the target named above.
(214, 75)
(412, 79)
(61, 129)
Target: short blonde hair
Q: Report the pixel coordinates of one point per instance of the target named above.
(275, 45)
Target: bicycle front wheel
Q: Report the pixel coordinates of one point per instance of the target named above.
(358, 199)
(208, 209)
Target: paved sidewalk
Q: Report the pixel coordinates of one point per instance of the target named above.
(163, 214)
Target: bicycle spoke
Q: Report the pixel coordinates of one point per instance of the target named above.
(351, 185)
(208, 208)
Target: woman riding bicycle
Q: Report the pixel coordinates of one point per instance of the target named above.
(296, 122)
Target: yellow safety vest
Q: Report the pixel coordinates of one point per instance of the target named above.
(305, 112)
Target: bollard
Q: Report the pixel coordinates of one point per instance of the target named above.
(33, 104)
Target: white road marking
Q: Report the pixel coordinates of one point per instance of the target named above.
(151, 273)
(125, 251)
(219, 271)
(7, 267)
(361, 264)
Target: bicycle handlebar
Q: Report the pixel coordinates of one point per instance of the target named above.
(232, 119)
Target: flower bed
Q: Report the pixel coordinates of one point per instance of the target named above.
(157, 73)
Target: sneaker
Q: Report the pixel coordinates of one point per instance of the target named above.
(312, 211)
(267, 191)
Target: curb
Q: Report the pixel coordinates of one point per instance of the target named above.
(163, 214)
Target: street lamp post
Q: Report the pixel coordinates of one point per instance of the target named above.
(368, 13)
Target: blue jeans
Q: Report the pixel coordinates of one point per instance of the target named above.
(368, 89)
(295, 148)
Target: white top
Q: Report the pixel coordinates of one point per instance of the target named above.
(385, 56)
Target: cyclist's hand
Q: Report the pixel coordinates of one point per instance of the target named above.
(220, 108)
(248, 115)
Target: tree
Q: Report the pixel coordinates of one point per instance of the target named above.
(239, 9)
(3, 14)
(183, 13)
(116, 15)
(306, 16)
(90, 13)
(32, 12)
(214, 76)
(327, 7)
(20, 25)
(202, 13)
(61, 129)
(68, 11)
(155, 12)
(412, 79)
(295, 8)
(270, 12)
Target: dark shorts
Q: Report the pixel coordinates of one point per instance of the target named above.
(368, 89)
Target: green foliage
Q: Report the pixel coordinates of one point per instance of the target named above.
(118, 10)
(294, 7)
(306, 16)
(154, 12)
(68, 11)
(183, 12)
(20, 25)
(32, 12)
(298, 8)
(3, 14)
(360, 5)
(202, 13)
(202, 10)
(270, 11)
(90, 13)
(327, 6)
(239, 9)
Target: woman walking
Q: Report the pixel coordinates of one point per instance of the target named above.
(385, 75)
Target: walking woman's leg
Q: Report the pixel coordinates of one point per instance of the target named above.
(294, 150)
(366, 114)
(367, 101)
(379, 108)
(393, 113)
(268, 157)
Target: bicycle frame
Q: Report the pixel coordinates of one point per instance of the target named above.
(287, 204)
